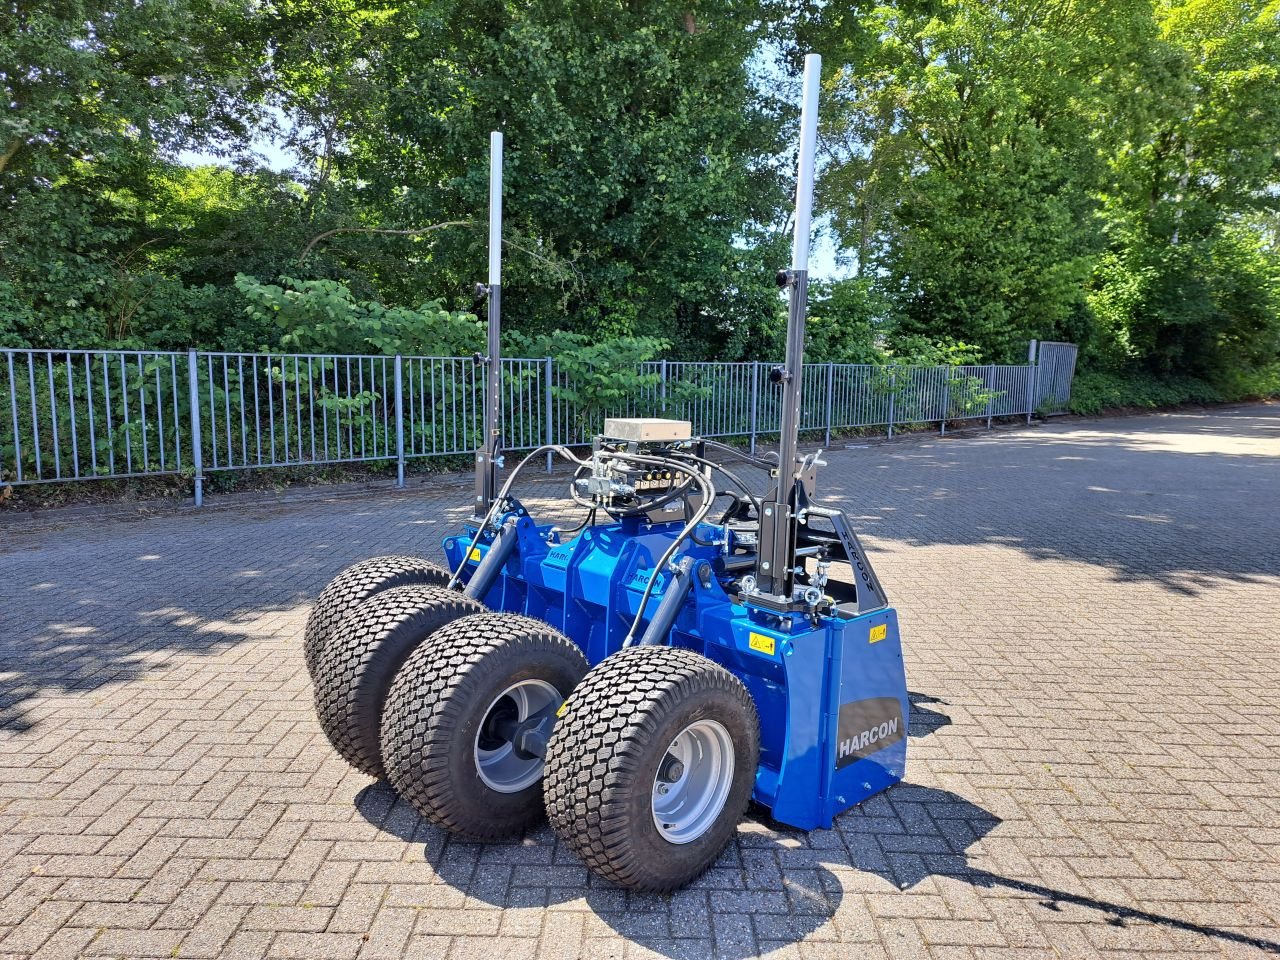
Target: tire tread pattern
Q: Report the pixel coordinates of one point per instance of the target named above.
(612, 716)
(360, 661)
(358, 583)
(429, 701)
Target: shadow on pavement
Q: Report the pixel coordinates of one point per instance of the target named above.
(1182, 501)
(773, 885)
(745, 898)
(106, 607)
(924, 721)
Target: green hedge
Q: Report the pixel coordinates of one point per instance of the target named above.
(1095, 392)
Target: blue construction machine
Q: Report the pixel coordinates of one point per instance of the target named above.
(690, 646)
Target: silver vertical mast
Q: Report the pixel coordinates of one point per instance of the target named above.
(777, 530)
(490, 453)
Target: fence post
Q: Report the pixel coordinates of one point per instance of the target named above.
(946, 397)
(1031, 380)
(831, 387)
(399, 421)
(988, 376)
(755, 401)
(893, 391)
(663, 375)
(548, 432)
(197, 454)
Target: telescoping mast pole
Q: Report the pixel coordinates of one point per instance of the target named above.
(489, 456)
(774, 575)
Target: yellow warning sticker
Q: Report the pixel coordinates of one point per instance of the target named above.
(879, 633)
(474, 555)
(758, 641)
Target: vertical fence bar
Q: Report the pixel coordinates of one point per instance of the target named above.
(831, 385)
(548, 430)
(35, 417)
(106, 403)
(88, 398)
(53, 414)
(1031, 380)
(142, 410)
(257, 414)
(13, 406)
(399, 421)
(159, 414)
(177, 419)
(228, 452)
(297, 406)
(946, 399)
(197, 454)
(124, 412)
(893, 392)
(324, 410)
(755, 402)
(71, 402)
(988, 378)
(213, 413)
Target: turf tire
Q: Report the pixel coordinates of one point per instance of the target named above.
(362, 657)
(438, 703)
(605, 752)
(358, 583)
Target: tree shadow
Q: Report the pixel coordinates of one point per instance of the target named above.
(743, 900)
(1183, 501)
(925, 722)
(107, 604)
(773, 885)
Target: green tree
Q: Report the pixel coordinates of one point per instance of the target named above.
(1189, 284)
(99, 96)
(966, 140)
(637, 199)
(322, 316)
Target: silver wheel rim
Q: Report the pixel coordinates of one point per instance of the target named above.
(692, 782)
(498, 764)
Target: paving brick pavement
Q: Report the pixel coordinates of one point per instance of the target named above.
(1091, 614)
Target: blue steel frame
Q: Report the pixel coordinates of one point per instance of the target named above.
(810, 679)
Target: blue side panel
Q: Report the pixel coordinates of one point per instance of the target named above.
(833, 732)
(868, 744)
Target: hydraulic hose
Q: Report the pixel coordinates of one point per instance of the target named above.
(492, 512)
(767, 462)
(730, 475)
(709, 496)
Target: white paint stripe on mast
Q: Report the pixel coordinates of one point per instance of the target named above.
(495, 208)
(805, 172)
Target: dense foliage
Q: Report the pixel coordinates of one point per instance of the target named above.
(992, 172)
(1105, 174)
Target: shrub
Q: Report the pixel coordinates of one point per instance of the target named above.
(1095, 392)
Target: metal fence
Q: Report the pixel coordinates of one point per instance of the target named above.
(85, 414)
(1055, 369)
